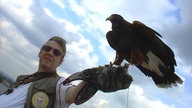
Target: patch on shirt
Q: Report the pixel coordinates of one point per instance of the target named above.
(40, 100)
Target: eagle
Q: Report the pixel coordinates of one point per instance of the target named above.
(142, 47)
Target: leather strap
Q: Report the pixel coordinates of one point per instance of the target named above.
(24, 79)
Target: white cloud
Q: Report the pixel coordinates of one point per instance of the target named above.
(79, 55)
(48, 12)
(107, 51)
(4, 44)
(71, 27)
(102, 103)
(185, 11)
(80, 10)
(59, 3)
(20, 9)
(184, 68)
(137, 95)
(132, 98)
(63, 73)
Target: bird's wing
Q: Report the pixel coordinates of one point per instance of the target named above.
(160, 60)
(111, 40)
(143, 26)
(148, 38)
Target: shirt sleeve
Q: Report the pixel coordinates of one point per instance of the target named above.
(60, 94)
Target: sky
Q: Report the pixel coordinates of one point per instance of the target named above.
(25, 25)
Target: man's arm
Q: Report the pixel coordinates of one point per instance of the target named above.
(73, 91)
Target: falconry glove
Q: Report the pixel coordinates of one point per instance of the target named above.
(106, 78)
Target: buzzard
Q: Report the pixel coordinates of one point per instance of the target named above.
(141, 46)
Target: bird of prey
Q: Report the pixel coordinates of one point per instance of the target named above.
(141, 46)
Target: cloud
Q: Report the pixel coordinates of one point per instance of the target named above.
(132, 98)
(59, 3)
(80, 56)
(141, 99)
(184, 68)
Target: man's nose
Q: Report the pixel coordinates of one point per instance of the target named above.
(51, 52)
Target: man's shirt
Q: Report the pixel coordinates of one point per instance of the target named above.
(17, 98)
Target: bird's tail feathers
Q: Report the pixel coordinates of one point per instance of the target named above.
(161, 75)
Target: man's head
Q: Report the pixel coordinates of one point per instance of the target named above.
(52, 53)
(61, 42)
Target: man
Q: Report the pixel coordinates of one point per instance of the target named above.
(44, 88)
(50, 57)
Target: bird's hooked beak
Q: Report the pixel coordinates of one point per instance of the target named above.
(109, 18)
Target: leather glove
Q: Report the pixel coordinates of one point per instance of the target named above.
(106, 78)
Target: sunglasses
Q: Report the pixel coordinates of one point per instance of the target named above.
(47, 48)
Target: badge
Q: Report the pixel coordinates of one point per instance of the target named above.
(40, 100)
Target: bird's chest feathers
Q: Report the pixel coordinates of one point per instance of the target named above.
(124, 39)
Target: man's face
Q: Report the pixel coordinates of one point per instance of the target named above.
(50, 56)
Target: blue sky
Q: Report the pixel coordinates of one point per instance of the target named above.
(26, 24)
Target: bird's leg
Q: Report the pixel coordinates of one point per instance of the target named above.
(126, 66)
(119, 58)
(107, 65)
(129, 64)
(111, 64)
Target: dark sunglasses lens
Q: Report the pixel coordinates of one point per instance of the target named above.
(56, 52)
(47, 48)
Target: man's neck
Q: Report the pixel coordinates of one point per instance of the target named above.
(46, 70)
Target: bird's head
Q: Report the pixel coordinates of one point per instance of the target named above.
(116, 20)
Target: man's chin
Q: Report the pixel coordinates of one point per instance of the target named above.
(46, 65)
